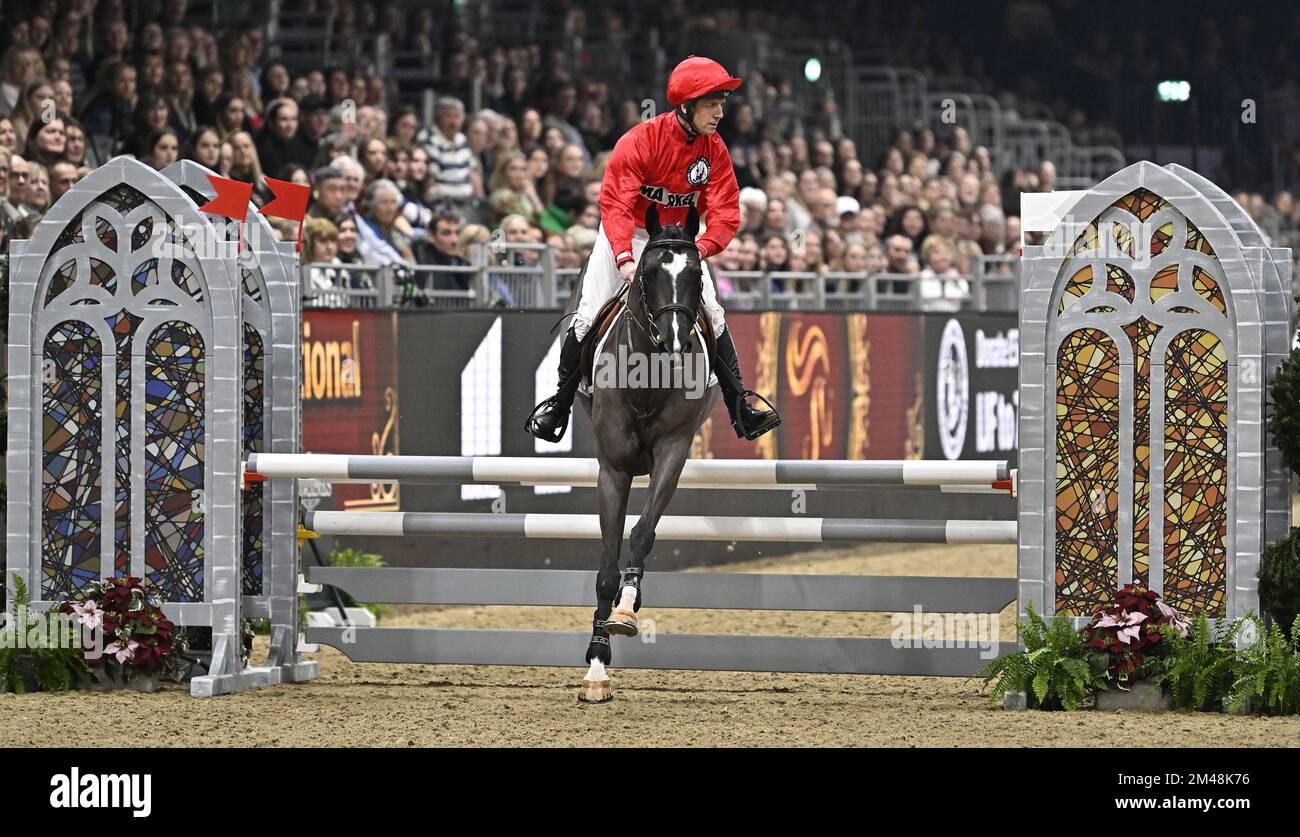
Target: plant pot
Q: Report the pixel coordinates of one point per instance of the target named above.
(101, 679)
(1143, 696)
(146, 683)
(27, 672)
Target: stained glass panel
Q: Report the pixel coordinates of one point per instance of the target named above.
(1208, 289)
(1196, 240)
(123, 198)
(1164, 283)
(1161, 237)
(102, 275)
(105, 232)
(1087, 471)
(1143, 203)
(71, 510)
(1076, 286)
(252, 287)
(1196, 474)
(254, 442)
(143, 230)
(1119, 282)
(174, 461)
(62, 279)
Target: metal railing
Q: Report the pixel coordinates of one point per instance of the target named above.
(786, 291)
(529, 280)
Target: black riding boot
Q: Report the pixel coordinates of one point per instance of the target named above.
(749, 423)
(550, 419)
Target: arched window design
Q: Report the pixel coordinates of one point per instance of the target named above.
(127, 408)
(1143, 267)
(130, 275)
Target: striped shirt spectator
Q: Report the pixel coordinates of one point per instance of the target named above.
(451, 160)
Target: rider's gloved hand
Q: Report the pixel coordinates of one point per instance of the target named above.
(628, 271)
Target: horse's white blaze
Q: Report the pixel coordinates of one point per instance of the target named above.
(675, 266)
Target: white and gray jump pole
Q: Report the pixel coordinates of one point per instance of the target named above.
(779, 474)
(684, 528)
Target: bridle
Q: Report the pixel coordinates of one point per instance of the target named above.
(651, 329)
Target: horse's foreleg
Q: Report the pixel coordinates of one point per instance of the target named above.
(612, 489)
(669, 457)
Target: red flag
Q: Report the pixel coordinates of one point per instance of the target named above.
(290, 199)
(231, 200)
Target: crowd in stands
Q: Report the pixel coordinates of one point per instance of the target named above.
(388, 189)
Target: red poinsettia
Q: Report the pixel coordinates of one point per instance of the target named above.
(138, 638)
(1126, 637)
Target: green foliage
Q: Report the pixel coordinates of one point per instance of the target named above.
(1052, 670)
(57, 668)
(1279, 582)
(1199, 668)
(1268, 673)
(1284, 424)
(353, 558)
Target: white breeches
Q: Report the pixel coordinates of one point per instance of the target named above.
(602, 281)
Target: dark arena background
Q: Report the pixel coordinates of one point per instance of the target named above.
(1018, 275)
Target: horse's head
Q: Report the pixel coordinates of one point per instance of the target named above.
(671, 280)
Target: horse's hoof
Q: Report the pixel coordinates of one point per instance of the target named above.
(595, 691)
(621, 623)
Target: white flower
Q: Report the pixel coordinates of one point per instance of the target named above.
(89, 615)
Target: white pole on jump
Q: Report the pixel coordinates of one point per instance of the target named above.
(587, 527)
(786, 474)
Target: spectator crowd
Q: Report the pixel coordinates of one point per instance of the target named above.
(78, 86)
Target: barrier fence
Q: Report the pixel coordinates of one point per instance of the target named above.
(525, 276)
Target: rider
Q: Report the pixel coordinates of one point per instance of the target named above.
(676, 160)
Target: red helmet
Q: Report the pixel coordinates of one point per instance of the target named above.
(696, 77)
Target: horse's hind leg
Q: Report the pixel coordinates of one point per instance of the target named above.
(612, 490)
(669, 457)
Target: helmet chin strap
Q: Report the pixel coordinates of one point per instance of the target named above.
(685, 114)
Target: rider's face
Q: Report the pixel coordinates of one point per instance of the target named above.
(708, 113)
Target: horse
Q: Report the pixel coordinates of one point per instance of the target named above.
(644, 429)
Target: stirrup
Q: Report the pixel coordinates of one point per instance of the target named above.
(530, 424)
(736, 423)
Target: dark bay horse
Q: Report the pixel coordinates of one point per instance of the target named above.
(650, 393)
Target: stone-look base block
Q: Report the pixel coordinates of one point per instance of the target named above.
(1145, 696)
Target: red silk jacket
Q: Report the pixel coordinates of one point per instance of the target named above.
(654, 162)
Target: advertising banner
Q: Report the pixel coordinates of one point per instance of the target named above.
(972, 400)
(350, 397)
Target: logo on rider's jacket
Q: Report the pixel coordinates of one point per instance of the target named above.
(697, 173)
(671, 200)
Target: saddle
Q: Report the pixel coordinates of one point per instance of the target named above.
(605, 319)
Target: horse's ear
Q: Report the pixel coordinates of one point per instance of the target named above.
(652, 220)
(692, 223)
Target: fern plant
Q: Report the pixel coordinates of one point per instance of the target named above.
(56, 668)
(1200, 669)
(1268, 673)
(1052, 670)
